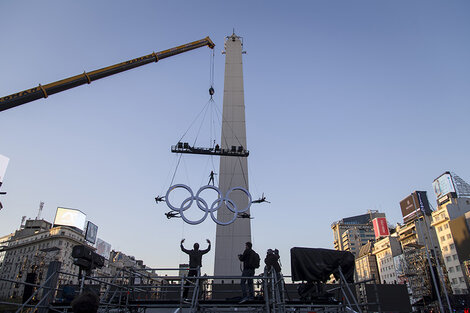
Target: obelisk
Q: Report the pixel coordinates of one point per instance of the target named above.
(230, 240)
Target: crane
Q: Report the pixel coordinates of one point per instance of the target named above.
(43, 91)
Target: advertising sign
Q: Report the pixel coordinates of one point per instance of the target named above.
(443, 185)
(415, 205)
(69, 217)
(103, 248)
(3, 166)
(91, 232)
(380, 227)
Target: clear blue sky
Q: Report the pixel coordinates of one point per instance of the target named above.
(350, 106)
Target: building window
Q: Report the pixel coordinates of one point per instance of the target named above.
(449, 236)
(446, 226)
(445, 248)
(455, 257)
(461, 279)
(443, 238)
(457, 268)
(448, 258)
(454, 281)
(452, 246)
(439, 229)
(451, 269)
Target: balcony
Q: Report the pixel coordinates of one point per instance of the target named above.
(436, 220)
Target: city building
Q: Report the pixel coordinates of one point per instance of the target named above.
(119, 261)
(450, 221)
(420, 249)
(351, 233)
(385, 250)
(26, 254)
(3, 243)
(366, 264)
(29, 251)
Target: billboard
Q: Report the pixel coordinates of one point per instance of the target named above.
(415, 205)
(69, 217)
(3, 166)
(91, 232)
(443, 185)
(380, 227)
(103, 248)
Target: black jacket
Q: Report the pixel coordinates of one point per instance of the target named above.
(272, 260)
(195, 256)
(245, 258)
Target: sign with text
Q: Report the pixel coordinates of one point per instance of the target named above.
(380, 227)
(415, 205)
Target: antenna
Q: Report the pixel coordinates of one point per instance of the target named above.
(41, 205)
(23, 218)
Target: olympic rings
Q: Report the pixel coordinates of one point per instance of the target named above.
(203, 206)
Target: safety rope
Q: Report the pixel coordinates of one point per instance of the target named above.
(175, 160)
(192, 123)
(234, 135)
(211, 69)
(243, 172)
(176, 168)
(202, 123)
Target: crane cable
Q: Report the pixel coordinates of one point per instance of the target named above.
(203, 110)
(240, 144)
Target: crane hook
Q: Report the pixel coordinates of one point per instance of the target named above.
(211, 91)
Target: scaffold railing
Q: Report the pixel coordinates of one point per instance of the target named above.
(143, 290)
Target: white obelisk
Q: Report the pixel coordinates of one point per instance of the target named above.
(230, 240)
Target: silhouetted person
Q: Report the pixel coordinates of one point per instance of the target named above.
(272, 262)
(195, 262)
(248, 271)
(159, 199)
(261, 199)
(244, 215)
(211, 178)
(172, 214)
(86, 303)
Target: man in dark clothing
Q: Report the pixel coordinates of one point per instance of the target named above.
(272, 264)
(248, 271)
(272, 261)
(195, 262)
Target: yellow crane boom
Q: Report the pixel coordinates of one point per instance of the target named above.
(43, 91)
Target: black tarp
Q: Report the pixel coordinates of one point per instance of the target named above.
(316, 265)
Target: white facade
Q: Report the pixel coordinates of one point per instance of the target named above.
(35, 245)
(31, 249)
(230, 240)
(452, 209)
(385, 250)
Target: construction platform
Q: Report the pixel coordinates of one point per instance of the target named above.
(235, 151)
